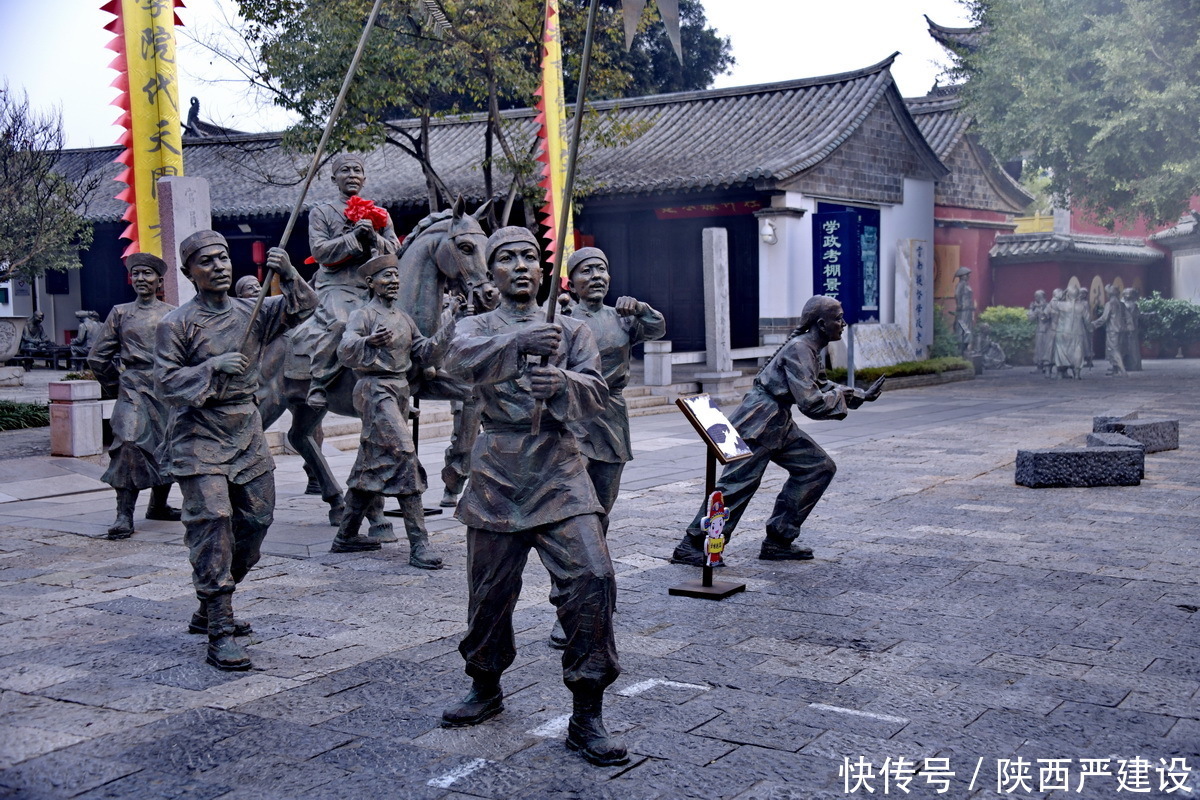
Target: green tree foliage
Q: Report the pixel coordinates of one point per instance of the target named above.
(1012, 330)
(1102, 93)
(40, 227)
(431, 58)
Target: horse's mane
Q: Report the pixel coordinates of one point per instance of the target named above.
(423, 225)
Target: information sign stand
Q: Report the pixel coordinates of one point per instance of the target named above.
(722, 443)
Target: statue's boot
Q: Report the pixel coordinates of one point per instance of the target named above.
(348, 539)
(453, 483)
(558, 636)
(224, 652)
(122, 528)
(381, 529)
(420, 552)
(158, 508)
(586, 732)
(690, 551)
(484, 701)
(199, 623)
(317, 397)
(783, 550)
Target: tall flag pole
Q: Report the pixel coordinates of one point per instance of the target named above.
(552, 141)
(144, 43)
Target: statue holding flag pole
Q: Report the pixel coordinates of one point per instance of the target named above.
(529, 485)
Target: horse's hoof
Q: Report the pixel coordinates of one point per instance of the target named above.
(382, 532)
(336, 512)
(313, 487)
(449, 500)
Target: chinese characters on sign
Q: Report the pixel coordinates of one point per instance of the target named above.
(1082, 777)
(837, 260)
(921, 298)
(154, 149)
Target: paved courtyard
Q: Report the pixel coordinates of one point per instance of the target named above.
(954, 632)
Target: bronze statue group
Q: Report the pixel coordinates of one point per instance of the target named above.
(1064, 325)
(187, 413)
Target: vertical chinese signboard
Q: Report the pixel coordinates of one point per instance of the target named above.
(921, 298)
(866, 289)
(837, 260)
(144, 40)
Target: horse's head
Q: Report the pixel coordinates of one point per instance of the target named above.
(460, 255)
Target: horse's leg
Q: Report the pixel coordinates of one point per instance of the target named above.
(305, 422)
(314, 482)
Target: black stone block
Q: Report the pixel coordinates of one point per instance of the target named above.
(1101, 421)
(1092, 466)
(1156, 434)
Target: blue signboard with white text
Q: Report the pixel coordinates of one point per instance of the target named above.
(837, 260)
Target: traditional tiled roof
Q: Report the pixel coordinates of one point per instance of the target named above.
(955, 39)
(1015, 247)
(1185, 233)
(691, 141)
(946, 126)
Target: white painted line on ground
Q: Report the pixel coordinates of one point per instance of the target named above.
(856, 713)
(989, 509)
(647, 685)
(456, 774)
(552, 728)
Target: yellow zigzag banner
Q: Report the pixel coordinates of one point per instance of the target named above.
(552, 133)
(144, 41)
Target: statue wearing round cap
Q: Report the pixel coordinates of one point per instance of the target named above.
(207, 365)
(533, 491)
(122, 355)
(342, 236)
(382, 344)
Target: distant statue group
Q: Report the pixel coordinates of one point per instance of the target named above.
(1063, 342)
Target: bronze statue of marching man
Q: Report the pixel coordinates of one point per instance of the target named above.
(382, 345)
(532, 491)
(123, 354)
(218, 453)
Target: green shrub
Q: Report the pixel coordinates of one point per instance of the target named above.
(1012, 330)
(945, 343)
(932, 366)
(1172, 322)
(15, 416)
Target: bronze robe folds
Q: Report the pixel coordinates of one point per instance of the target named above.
(139, 418)
(519, 481)
(387, 462)
(217, 429)
(605, 437)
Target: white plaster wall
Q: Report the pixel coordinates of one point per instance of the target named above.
(911, 219)
(1185, 275)
(785, 268)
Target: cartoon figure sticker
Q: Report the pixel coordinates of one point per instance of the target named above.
(713, 526)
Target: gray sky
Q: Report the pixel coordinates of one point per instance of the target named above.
(55, 50)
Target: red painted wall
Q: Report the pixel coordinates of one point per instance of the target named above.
(974, 242)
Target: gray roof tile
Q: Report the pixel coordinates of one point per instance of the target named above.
(693, 141)
(1043, 246)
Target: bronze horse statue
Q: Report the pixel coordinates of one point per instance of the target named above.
(444, 253)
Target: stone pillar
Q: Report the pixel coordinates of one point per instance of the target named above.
(76, 421)
(184, 208)
(657, 363)
(717, 380)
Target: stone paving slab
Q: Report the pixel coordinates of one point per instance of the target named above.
(949, 614)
